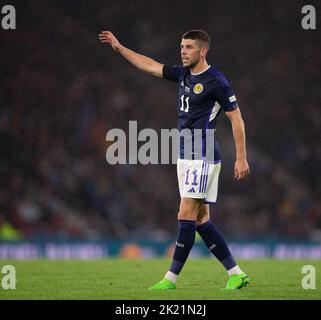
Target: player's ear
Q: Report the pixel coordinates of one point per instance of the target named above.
(204, 51)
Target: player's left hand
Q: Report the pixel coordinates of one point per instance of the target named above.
(241, 169)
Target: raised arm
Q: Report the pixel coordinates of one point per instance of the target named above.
(139, 61)
(241, 169)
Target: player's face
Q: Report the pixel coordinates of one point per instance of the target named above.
(190, 53)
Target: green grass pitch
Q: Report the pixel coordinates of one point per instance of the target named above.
(201, 279)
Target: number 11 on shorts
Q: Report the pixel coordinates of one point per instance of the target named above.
(194, 183)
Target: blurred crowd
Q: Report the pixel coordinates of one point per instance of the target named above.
(61, 91)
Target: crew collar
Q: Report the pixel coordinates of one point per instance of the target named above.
(196, 74)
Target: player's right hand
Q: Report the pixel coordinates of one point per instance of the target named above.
(241, 169)
(108, 37)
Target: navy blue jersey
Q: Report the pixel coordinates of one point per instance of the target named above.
(201, 99)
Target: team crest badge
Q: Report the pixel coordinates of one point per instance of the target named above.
(198, 88)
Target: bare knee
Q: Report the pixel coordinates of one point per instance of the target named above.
(189, 209)
(186, 214)
(203, 215)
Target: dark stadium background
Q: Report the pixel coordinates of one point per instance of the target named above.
(61, 91)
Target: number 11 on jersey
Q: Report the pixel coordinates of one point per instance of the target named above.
(185, 102)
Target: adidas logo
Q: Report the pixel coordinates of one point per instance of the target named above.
(191, 190)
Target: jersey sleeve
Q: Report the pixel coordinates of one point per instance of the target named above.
(172, 73)
(224, 94)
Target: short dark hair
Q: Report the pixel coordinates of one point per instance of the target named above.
(199, 35)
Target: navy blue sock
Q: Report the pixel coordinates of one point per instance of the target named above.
(216, 244)
(184, 244)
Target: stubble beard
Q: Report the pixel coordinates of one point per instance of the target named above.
(192, 64)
